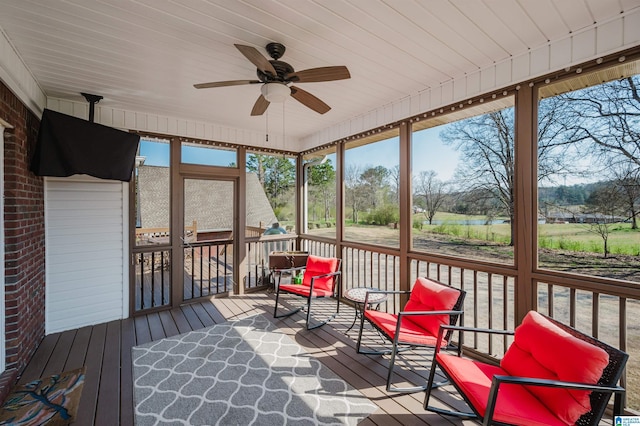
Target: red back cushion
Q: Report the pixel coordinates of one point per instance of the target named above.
(543, 350)
(428, 295)
(319, 266)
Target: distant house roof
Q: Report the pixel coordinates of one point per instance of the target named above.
(583, 217)
(209, 202)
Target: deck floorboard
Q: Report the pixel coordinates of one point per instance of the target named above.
(105, 351)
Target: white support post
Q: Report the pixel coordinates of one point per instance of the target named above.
(3, 358)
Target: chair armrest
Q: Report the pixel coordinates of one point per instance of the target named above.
(460, 329)
(531, 381)
(476, 330)
(329, 274)
(374, 290)
(413, 313)
(425, 313)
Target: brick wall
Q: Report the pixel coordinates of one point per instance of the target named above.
(24, 240)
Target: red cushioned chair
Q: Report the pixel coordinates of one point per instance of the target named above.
(550, 375)
(430, 304)
(321, 279)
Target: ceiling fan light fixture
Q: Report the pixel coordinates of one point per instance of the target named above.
(275, 92)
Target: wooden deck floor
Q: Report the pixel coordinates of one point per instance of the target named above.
(105, 350)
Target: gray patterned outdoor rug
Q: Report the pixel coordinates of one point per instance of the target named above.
(239, 373)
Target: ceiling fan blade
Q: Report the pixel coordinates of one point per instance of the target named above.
(260, 106)
(257, 58)
(225, 83)
(313, 75)
(308, 100)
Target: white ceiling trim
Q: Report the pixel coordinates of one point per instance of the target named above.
(605, 38)
(18, 78)
(171, 126)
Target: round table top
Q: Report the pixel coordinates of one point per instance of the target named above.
(357, 294)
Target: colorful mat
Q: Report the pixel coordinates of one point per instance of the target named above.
(50, 401)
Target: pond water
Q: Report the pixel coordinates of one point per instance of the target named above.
(467, 222)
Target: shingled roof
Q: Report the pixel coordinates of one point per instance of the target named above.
(209, 202)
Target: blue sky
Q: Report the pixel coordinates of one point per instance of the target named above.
(429, 153)
(157, 154)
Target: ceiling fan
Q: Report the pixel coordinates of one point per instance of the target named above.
(277, 77)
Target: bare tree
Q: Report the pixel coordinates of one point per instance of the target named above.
(277, 174)
(486, 143)
(322, 188)
(628, 183)
(487, 146)
(353, 191)
(374, 185)
(602, 206)
(605, 120)
(394, 177)
(608, 117)
(431, 191)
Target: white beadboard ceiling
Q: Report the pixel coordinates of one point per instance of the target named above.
(145, 55)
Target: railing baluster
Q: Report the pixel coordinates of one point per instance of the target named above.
(142, 281)
(153, 279)
(572, 307)
(475, 307)
(372, 269)
(192, 272)
(226, 262)
(162, 298)
(505, 310)
(490, 309)
(595, 318)
(462, 287)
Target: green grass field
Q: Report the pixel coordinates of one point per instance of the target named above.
(565, 236)
(580, 237)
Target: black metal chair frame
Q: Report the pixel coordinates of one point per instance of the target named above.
(336, 293)
(600, 395)
(396, 348)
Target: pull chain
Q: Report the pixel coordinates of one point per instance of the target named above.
(266, 130)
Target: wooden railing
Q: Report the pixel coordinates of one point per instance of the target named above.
(152, 276)
(601, 309)
(258, 249)
(208, 267)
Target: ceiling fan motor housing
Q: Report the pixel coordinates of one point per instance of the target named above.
(282, 69)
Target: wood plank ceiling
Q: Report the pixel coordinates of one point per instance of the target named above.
(145, 55)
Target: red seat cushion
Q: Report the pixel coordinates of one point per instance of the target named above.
(543, 350)
(319, 266)
(303, 290)
(409, 333)
(428, 295)
(514, 406)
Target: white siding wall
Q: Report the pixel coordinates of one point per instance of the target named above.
(86, 248)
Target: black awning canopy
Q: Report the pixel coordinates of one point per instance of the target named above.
(68, 146)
